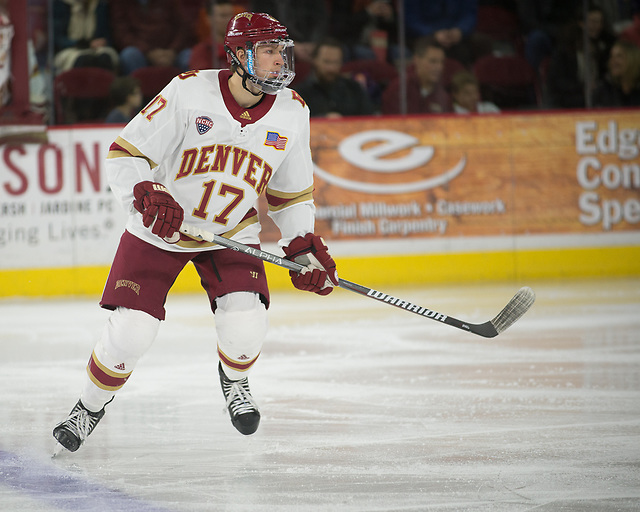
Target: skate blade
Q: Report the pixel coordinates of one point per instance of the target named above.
(58, 450)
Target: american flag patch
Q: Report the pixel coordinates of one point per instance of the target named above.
(203, 124)
(274, 139)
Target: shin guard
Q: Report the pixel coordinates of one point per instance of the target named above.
(127, 335)
(241, 324)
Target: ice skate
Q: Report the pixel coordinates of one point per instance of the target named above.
(242, 409)
(72, 432)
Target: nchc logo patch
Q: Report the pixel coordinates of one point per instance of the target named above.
(203, 124)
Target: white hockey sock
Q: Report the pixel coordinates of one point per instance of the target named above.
(127, 335)
(241, 324)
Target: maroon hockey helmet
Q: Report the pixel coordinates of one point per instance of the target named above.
(250, 30)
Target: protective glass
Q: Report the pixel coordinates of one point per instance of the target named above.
(267, 73)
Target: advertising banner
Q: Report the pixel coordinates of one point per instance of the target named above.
(56, 209)
(477, 176)
(466, 179)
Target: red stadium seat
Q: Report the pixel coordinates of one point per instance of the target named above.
(376, 70)
(82, 95)
(501, 26)
(508, 81)
(374, 75)
(153, 79)
(303, 68)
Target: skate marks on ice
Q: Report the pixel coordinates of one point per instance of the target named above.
(364, 407)
(39, 486)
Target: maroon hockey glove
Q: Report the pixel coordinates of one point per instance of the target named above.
(312, 252)
(154, 202)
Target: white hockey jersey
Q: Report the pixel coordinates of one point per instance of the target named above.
(216, 158)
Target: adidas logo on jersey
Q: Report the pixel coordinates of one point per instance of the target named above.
(120, 367)
(245, 115)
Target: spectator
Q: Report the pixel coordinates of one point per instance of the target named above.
(600, 35)
(567, 71)
(81, 35)
(6, 35)
(542, 22)
(451, 23)
(38, 15)
(150, 33)
(126, 96)
(619, 12)
(465, 91)
(196, 14)
(210, 53)
(425, 92)
(367, 28)
(632, 32)
(326, 91)
(621, 86)
(307, 21)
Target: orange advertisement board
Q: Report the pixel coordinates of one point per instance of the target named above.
(475, 176)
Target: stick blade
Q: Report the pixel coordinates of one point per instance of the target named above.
(515, 308)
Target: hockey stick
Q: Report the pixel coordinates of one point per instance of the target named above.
(515, 308)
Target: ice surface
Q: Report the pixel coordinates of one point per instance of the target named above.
(365, 407)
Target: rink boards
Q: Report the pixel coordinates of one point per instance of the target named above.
(373, 271)
(400, 201)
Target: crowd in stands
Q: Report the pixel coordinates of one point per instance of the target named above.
(461, 56)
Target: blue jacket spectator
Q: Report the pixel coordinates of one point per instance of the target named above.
(451, 23)
(428, 18)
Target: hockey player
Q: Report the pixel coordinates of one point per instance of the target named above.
(203, 150)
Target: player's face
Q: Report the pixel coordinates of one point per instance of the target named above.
(269, 59)
(269, 64)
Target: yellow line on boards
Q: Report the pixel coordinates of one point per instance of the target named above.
(375, 271)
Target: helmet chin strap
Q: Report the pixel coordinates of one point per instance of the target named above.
(244, 82)
(244, 74)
